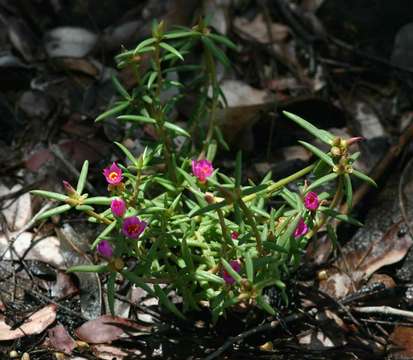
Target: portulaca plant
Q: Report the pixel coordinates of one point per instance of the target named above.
(178, 219)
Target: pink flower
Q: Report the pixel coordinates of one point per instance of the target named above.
(118, 207)
(311, 201)
(301, 229)
(132, 227)
(113, 174)
(202, 169)
(234, 235)
(105, 249)
(236, 266)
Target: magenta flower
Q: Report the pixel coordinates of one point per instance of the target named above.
(113, 174)
(105, 249)
(132, 227)
(234, 235)
(202, 169)
(301, 229)
(311, 201)
(236, 266)
(118, 207)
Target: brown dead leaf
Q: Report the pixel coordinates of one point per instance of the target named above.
(244, 104)
(402, 337)
(17, 212)
(356, 266)
(46, 250)
(64, 286)
(257, 29)
(107, 352)
(108, 328)
(35, 324)
(60, 339)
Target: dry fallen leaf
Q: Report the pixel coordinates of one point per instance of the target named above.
(257, 29)
(108, 328)
(107, 352)
(17, 212)
(357, 265)
(401, 337)
(35, 324)
(46, 249)
(60, 339)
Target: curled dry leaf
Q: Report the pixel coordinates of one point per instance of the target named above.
(401, 343)
(17, 212)
(107, 352)
(257, 29)
(108, 328)
(357, 265)
(47, 249)
(60, 339)
(35, 324)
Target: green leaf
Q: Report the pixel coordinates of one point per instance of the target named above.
(219, 54)
(56, 211)
(342, 217)
(137, 118)
(113, 111)
(151, 79)
(323, 135)
(106, 231)
(223, 40)
(238, 169)
(348, 189)
(82, 177)
(202, 275)
(111, 292)
(220, 138)
(144, 44)
(249, 267)
(119, 87)
(263, 304)
(176, 129)
(179, 34)
(284, 240)
(364, 177)
(137, 281)
(332, 235)
(128, 154)
(50, 195)
(323, 180)
(317, 152)
(254, 189)
(231, 271)
(270, 245)
(209, 208)
(164, 300)
(171, 49)
(84, 208)
(88, 268)
(98, 200)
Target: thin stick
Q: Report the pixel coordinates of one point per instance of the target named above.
(386, 310)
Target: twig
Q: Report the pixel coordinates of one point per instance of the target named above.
(386, 310)
(261, 328)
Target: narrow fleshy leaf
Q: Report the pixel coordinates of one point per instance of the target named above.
(113, 111)
(50, 195)
(144, 44)
(88, 268)
(106, 231)
(348, 191)
(249, 267)
(223, 40)
(317, 152)
(98, 200)
(119, 87)
(137, 118)
(163, 298)
(323, 180)
(111, 292)
(231, 271)
(216, 52)
(364, 177)
(82, 177)
(323, 135)
(263, 304)
(175, 128)
(342, 217)
(56, 211)
(171, 49)
(128, 154)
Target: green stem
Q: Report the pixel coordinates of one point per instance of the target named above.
(251, 221)
(211, 69)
